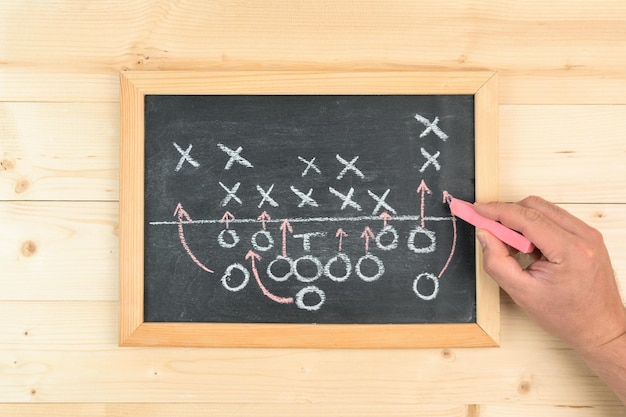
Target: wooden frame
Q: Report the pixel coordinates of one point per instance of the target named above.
(133, 331)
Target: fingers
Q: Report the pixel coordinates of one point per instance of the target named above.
(556, 214)
(499, 263)
(548, 236)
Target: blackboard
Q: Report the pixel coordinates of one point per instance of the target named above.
(308, 209)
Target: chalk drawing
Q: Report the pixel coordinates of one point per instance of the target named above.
(446, 199)
(381, 236)
(429, 234)
(180, 213)
(430, 159)
(266, 196)
(185, 157)
(422, 190)
(308, 258)
(377, 262)
(347, 266)
(346, 198)
(268, 237)
(270, 269)
(309, 165)
(263, 218)
(285, 227)
(340, 234)
(227, 218)
(235, 156)
(310, 290)
(226, 278)
(233, 236)
(380, 202)
(253, 257)
(367, 234)
(230, 194)
(306, 239)
(431, 127)
(305, 198)
(434, 279)
(349, 166)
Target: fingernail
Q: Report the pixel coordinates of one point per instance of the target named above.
(480, 235)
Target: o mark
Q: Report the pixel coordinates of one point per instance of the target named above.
(331, 261)
(317, 264)
(270, 272)
(379, 265)
(435, 281)
(270, 241)
(310, 290)
(228, 273)
(233, 236)
(389, 246)
(427, 233)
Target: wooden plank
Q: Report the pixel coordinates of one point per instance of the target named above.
(405, 376)
(69, 250)
(53, 151)
(69, 325)
(557, 86)
(148, 35)
(59, 250)
(19, 85)
(51, 159)
(516, 410)
(563, 153)
(232, 410)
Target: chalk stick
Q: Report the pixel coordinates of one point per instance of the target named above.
(464, 210)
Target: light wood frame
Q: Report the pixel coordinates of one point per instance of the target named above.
(133, 331)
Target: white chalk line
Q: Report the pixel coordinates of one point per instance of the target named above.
(308, 220)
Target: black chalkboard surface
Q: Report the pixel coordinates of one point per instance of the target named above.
(303, 209)
(281, 198)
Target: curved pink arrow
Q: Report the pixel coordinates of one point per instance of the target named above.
(367, 235)
(253, 256)
(446, 199)
(180, 213)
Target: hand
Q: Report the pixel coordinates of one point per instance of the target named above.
(570, 290)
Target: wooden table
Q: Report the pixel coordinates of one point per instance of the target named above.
(562, 124)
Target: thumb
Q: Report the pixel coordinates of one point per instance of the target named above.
(498, 262)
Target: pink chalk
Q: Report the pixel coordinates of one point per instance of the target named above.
(464, 210)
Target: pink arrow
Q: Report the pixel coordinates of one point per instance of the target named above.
(367, 235)
(253, 257)
(285, 227)
(454, 237)
(263, 218)
(340, 234)
(422, 189)
(180, 213)
(385, 216)
(446, 197)
(228, 216)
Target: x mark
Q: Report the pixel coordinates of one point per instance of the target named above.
(349, 166)
(185, 157)
(231, 194)
(381, 203)
(234, 157)
(347, 198)
(431, 127)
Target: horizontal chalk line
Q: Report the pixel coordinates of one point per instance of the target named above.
(306, 220)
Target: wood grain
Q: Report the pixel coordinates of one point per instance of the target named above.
(562, 93)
